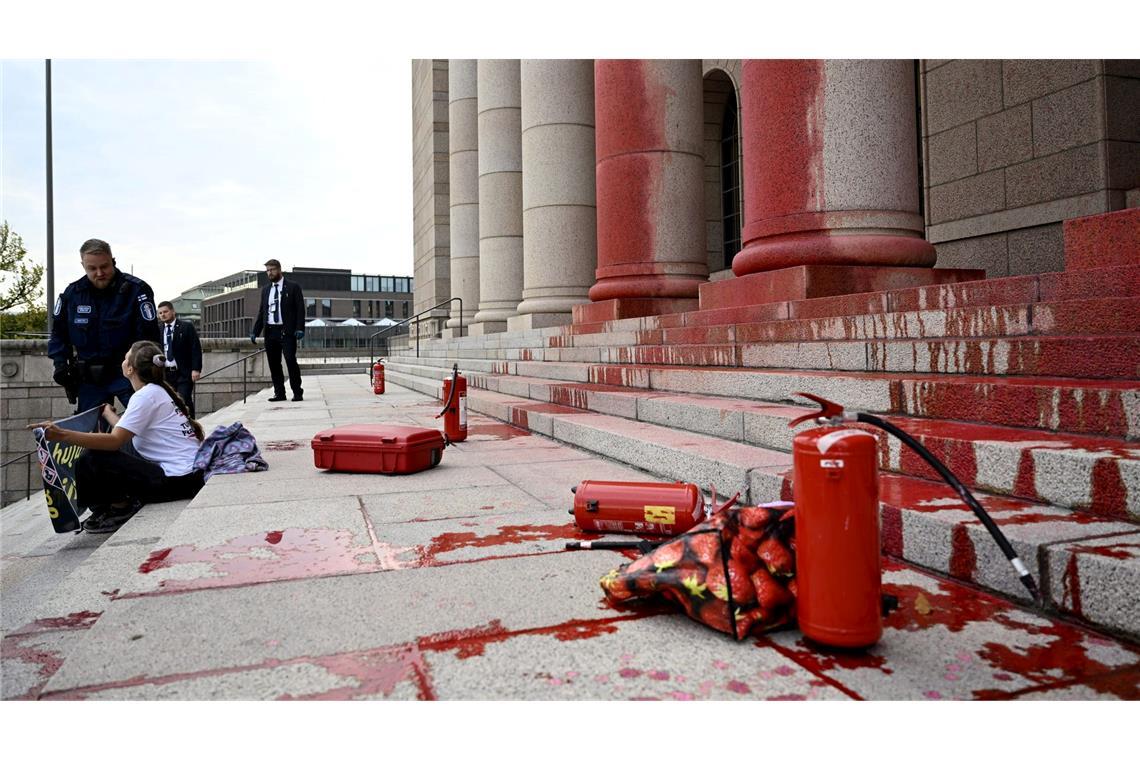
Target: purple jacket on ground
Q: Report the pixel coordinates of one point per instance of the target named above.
(227, 450)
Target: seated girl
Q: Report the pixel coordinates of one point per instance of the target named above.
(114, 484)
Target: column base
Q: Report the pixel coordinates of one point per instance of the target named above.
(536, 321)
(452, 332)
(815, 281)
(628, 308)
(487, 328)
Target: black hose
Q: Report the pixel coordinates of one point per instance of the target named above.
(966, 496)
(450, 390)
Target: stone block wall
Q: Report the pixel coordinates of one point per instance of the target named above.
(1012, 148)
(27, 395)
(431, 196)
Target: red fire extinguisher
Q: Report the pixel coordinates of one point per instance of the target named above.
(667, 509)
(378, 377)
(454, 410)
(838, 574)
(835, 475)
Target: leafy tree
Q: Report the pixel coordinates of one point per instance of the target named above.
(19, 282)
(15, 324)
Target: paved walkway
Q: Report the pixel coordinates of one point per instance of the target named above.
(452, 584)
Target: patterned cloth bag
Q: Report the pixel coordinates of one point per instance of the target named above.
(735, 572)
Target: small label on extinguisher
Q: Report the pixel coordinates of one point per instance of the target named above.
(462, 411)
(831, 464)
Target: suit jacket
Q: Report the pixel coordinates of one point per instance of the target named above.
(187, 348)
(292, 309)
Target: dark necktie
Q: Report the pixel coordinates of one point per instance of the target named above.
(276, 304)
(170, 341)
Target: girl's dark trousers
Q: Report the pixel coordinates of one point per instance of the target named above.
(103, 478)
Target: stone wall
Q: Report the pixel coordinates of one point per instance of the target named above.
(1012, 148)
(430, 170)
(27, 394)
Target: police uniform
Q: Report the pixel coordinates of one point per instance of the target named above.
(100, 325)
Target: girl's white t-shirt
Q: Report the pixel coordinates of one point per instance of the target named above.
(162, 433)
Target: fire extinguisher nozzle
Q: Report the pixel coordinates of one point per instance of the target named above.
(571, 510)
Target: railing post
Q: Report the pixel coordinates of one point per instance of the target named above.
(28, 477)
(243, 376)
(417, 337)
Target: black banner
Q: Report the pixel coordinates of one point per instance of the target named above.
(57, 464)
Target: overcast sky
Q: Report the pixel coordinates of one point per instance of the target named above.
(192, 170)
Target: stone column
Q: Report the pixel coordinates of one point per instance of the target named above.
(559, 209)
(463, 164)
(649, 180)
(830, 165)
(500, 195)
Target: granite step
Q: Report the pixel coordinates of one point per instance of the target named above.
(1108, 408)
(1087, 566)
(1099, 475)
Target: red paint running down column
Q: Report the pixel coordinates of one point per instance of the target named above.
(830, 166)
(649, 179)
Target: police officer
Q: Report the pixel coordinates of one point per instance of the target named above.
(96, 320)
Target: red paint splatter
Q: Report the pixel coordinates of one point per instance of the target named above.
(506, 535)
(46, 661)
(262, 557)
(498, 431)
(963, 559)
(76, 621)
(738, 687)
(629, 672)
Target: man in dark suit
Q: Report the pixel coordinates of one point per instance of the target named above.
(183, 353)
(282, 316)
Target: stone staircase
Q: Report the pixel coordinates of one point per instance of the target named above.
(1025, 386)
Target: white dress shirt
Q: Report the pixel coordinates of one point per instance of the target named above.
(276, 290)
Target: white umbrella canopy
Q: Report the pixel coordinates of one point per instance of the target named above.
(384, 322)
(316, 323)
(351, 322)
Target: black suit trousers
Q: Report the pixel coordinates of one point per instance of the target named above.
(278, 342)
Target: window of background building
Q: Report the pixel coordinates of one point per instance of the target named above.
(401, 284)
(358, 282)
(373, 284)
(326, 307)
(386, 285)
(389, 308)
(310, 307)
(355, 307)
(405, 309)
(730, 181)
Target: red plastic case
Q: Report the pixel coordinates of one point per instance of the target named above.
(385, 449)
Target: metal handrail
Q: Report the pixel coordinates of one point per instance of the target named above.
(416, 317)
(27, 470)
(244, 374)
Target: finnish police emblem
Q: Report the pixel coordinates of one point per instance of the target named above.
(146, 308)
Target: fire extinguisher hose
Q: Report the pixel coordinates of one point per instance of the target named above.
(451, 390)
(1006, 548)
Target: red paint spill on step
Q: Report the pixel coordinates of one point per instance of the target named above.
(505, 535)
(963, 559)
(262, 557)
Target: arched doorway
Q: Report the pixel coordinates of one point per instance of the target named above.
(723, 201)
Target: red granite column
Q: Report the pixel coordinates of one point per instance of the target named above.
(830, 165)
(649, 180)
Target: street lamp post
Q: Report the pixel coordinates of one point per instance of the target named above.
(50, 202)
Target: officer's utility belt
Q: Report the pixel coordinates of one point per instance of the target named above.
(98, 371)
